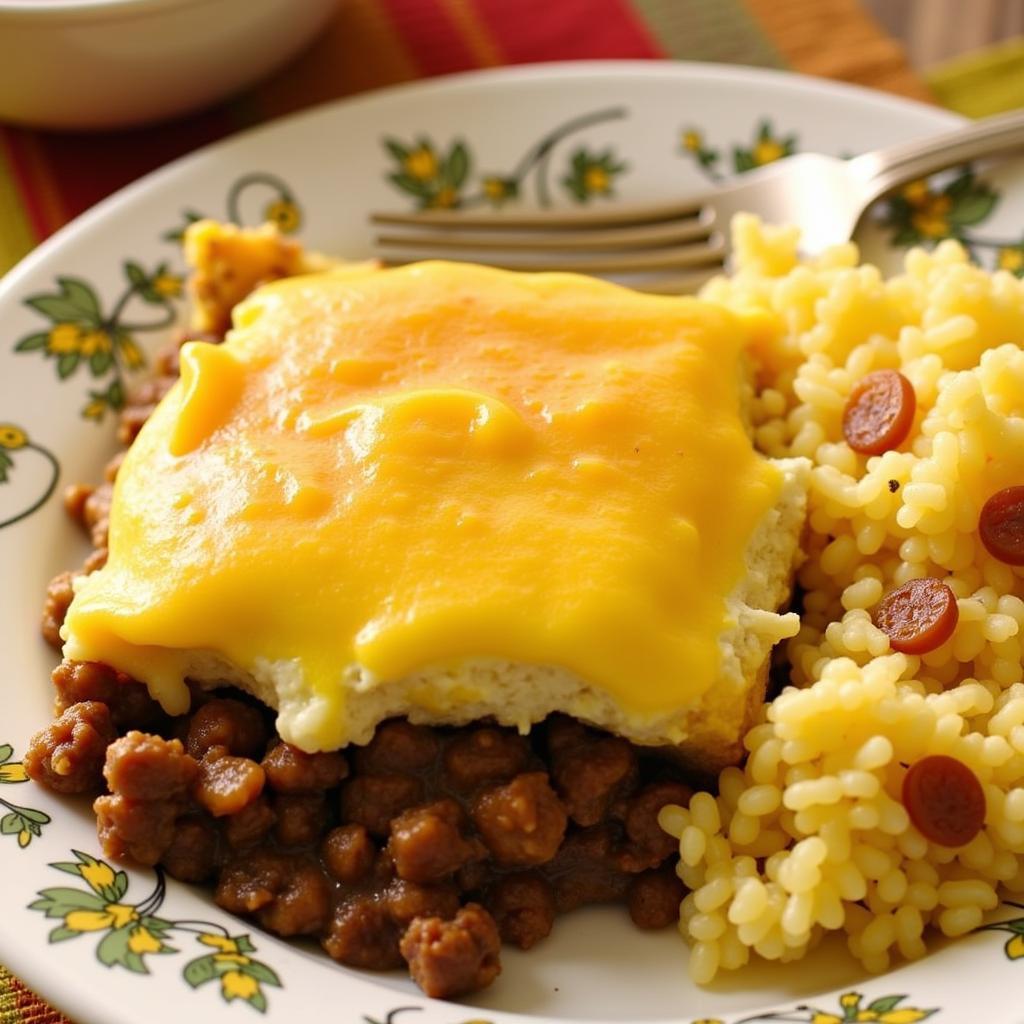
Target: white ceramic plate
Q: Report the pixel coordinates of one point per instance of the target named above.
(74, 317)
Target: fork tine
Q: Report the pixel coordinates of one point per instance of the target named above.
(674, 284)
(630, 237)
(578, 219)
(607, 263)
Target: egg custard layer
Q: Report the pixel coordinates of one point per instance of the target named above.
(387, 476)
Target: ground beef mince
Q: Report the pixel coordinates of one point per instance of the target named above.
(129, 702)
(374, 800)
(649, 843)
(226, 784)
(477, 757)
(68, 755)
(428, 843)
(523, 907)
(348, 853)
(301, 818)
(249, 826)
(236, 726)
(290, 770)
(362, 934)
(287, 893)
(591, 772)
(654, 898)
(150, 779)
(426, 848)
(58, 598)
(450, 958)
(141, 402)
(523, 822)
(397, 747)
(193, 855)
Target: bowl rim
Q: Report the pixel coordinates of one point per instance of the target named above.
(45, 11)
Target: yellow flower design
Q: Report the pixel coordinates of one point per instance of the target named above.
(236, 985)
(168, 286)
(421, 164)
(285, 214)
(64, 339)
(849, 1000)
(597, 181)
(70, 339)
(231, 958)
(930, 218)
(767, 151)
(98, 875)
(24, 838)
(445, 199)
(916, 192)
(113, 915)
(498, 189)
(11, 438)
(221, 942)
(1011, 259)
(130, 353)
(1015, 947)
(14, 772)
(930, 209)
(95, 409)
(142, 940)
(826, 1018)
(693, 141)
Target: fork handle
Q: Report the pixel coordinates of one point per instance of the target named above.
(884, 169)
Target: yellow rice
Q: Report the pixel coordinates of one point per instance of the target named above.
(810, 835)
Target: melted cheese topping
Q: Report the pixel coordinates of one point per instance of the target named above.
(393, 470)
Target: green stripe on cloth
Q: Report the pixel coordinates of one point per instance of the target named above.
(709, 30)
(16, 236)
(985, 82)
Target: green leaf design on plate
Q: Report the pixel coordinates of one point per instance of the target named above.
(32, 343)
(67, 364)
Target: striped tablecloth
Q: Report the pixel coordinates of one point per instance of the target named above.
(48, 178)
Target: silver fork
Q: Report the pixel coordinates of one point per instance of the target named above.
(675, 247)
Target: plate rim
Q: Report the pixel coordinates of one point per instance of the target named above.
(64, 989)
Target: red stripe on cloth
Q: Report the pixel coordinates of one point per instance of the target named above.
(430, 35)
(84, 170)
(540, 30)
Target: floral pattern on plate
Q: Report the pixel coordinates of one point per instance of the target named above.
(25, 823)
(14, 445)
(129, 933)
(81, 334)
(272, 198)
(444, 178)
(883, 1010)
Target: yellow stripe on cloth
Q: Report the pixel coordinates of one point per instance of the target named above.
(985, 82)
(16, 236)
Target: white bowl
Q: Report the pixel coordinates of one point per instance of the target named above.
(109, 63)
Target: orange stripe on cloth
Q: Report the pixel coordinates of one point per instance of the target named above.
(808, 33)
(475, 33)
(359, 49)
